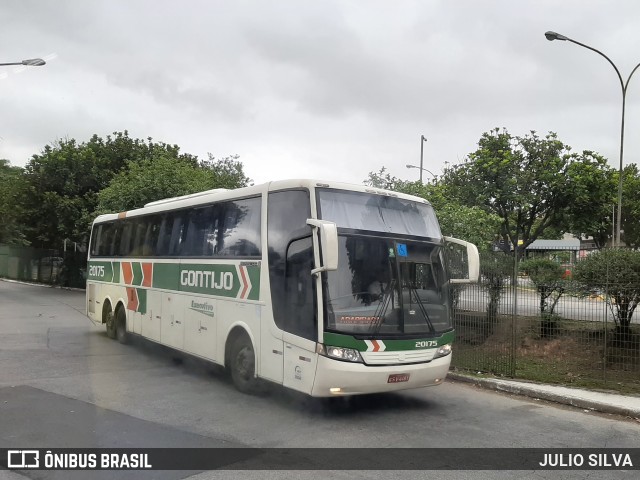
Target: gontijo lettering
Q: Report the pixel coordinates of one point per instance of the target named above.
(207, 279)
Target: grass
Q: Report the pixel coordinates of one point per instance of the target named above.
(575, 375)
(574, 353)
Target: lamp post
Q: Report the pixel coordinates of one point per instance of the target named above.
(551, 36)
(31, 62)
(421, 170)
(422, 140)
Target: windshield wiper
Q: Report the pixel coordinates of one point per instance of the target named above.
(381, 310)
(422, 309)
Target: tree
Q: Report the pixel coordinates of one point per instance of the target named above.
(383, 179)
(165, 176)
(547, 276)
(11, 210)
(595, 198)
(631, 206)
(469, 223)
(616, 273)
(228, 172)
(63, 181)
(529, 182)
(495, 269)
(592, 186)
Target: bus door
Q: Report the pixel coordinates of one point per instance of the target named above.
(305, 263)
(301, 324)
(293, 296)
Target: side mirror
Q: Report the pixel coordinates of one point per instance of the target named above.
(328, 245)
(463, 259)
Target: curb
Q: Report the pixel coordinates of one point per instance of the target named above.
(532, 390)
(45, 285)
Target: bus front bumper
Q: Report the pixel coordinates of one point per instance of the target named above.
(337, 378)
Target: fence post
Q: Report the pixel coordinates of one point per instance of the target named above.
(605, 351)
(514, 285)
(606, 328)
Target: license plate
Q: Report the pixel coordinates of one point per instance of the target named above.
(398, 378)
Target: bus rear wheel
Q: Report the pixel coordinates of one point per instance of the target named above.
(121, 326)
(243, 366)
(111, 324)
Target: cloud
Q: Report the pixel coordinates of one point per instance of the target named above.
(329, 89)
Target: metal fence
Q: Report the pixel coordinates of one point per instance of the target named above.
(44, 266)
(575, 338)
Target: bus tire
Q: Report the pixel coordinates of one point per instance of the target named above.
(121, 326)
(110, 320)
(243, 366)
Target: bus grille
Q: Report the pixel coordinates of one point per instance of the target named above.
(395, 358)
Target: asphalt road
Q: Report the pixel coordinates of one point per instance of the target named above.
(63, 383)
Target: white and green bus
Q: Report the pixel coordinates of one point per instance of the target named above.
(326, 288)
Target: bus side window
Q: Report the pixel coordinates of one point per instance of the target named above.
(178, 233)
(199, 224)
(238, 232)
(106, 239)
(288, 212)
(216, 236)
(95, 240)
(139, 232)
(124, 246)
(117, 236)
(211, 222)
(151, 236)
(164, 237)
(299, 289)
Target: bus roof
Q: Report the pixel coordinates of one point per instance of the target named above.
(222, 194)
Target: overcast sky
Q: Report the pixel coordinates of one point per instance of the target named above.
(322, 89)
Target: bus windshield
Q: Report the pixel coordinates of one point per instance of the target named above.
(378, 213)
(387, 287)
(386, 284)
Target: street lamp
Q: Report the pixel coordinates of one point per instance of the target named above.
(551, 36)
(31, 62)
(421, 169)
(422, 140)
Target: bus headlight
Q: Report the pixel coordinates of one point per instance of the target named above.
(443, 351)
(340, 353)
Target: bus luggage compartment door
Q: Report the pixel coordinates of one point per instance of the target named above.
(300, 361)
(172, 324)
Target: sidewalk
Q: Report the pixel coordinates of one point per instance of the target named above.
(45, 285)
(613, 403)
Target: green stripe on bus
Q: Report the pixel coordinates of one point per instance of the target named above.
(103, 271)
(208, 279)
(142, 300)
(219, 280)
(228, 280)
(254, 277)
(348, 341)
(136, 267)
(116, 272)
(166, 276)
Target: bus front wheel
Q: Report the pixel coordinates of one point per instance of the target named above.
(243, 366)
